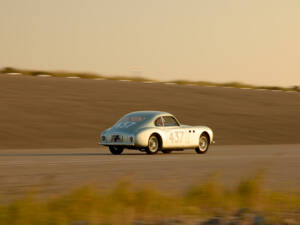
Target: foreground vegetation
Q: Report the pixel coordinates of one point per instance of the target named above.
(10, 70)
(208, 203)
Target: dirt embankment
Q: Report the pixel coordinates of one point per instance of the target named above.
(38, 112)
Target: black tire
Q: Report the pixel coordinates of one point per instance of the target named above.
(166, 151)
(154, 145)
(116, 150)
(203, 144)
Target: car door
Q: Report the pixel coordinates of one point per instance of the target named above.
(190, 136)
(175, 134)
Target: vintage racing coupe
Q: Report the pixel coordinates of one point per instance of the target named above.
(154, 131)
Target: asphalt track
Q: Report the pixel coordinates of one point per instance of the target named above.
(54, 170)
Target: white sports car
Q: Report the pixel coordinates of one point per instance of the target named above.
(153, 131)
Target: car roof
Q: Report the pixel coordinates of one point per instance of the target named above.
(149, 113)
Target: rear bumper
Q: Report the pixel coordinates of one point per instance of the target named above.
(124, 145)
(116, 143)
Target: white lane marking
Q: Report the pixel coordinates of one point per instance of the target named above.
(148, 82)
(99, 79)
(169, 83)
(209, 86)
(190, 84)
(124, 80)
(73, 77)
(276, 90)
(260, 89)
(14, 74)
(245, 88)
(291, 91)
(43, 75)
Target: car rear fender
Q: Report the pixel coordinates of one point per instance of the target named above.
(143, 136)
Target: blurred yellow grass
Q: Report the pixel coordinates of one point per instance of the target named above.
(125, 203)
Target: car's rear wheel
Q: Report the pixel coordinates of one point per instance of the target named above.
(203, 144)
(166, 151)
(153, 145)
(116, 150)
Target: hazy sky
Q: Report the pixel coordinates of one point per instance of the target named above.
(253, 41)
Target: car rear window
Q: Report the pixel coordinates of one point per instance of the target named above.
(133, 119)
(129, 121)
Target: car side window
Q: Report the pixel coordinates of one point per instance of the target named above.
(158, 122)
(170, 121)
